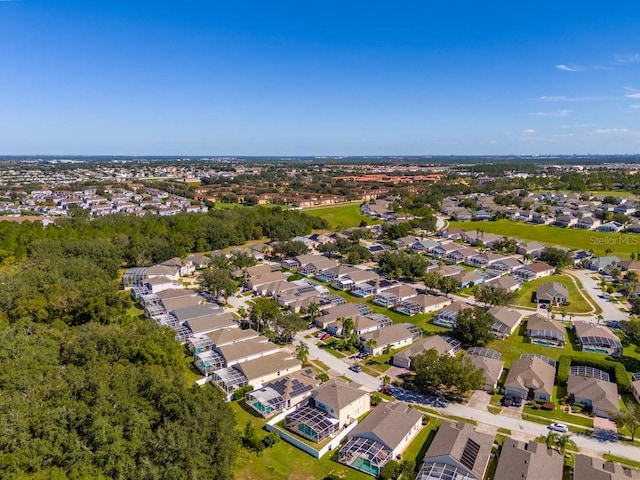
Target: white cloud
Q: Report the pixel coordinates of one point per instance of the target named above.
(578, 125)
(633, 95)
(528, 131)
(635, 106)
(562, 135)
(559, 113)
(628, 58)
(606, 131)
(579, 68)
(564, 98)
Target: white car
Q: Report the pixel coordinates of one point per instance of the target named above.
(558, 427)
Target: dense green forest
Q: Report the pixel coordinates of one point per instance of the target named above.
(88, 390)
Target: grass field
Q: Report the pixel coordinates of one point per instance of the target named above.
(341, 217)
(622, 244)
(577, 303)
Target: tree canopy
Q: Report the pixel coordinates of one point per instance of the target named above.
(446, 374)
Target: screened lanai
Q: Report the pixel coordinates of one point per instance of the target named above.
(311, 423)
(365, 455)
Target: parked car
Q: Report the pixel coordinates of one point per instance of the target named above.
(355, 368)
(558, 427)
(325, 336)
(517, 401)
(507, 401)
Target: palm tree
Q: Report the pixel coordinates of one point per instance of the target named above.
(563, 313)
(347, 327)
(242, 312)
(600, 318)
(302, 352)
(564, 443)
(552, 439)
(527, 257)
(386, 380)
(371, 344)
(323, 377)
(313, 310)
(571, 315)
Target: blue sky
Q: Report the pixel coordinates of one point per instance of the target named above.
(319, 78)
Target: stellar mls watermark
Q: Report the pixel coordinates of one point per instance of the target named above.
(622, 240)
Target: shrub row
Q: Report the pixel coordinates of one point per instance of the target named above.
(616, 369)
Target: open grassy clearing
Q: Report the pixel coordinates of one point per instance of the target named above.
(341, 217)
(622, 244)
(577, 302)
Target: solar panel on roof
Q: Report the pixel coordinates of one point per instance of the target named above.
(470, 454)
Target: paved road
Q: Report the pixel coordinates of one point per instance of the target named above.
(335, 364)
(610, 311)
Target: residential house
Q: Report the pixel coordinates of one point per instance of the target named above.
(484, 260)
(600, 263)
(255, 372)
(597, 339)
(565, 221)
(210, 323)
(544, 331)
(353, 279)
(181, 302)
(347, 310)
(596, 393)
(534, 270)
(457, 452)
(228, 336)
(258, 281)
(424, 245)
(626, 265)
(186, 314)
(378, 209)
(587, 223)
(552, 293)
(528, 460)
(505, 265)
(393, 336)
(481, 215)
(462, 215)
(506, 282)
(282, 393)
(341, 400)
(316, 267)
(592, 468)
(423, 303)
(440, 343)
(530, 378)
(158, 284)
(249, 349)
(338, 271)
(467, 278)
(185, 267)
(406, 242)
(394, 296)
(610, 227)
(491, 365)
(452, 233)
(505, 321)
(530, 248)
(382, 436)
(446, 317)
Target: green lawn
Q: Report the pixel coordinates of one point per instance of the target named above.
(416, 449)
(284, 461)
(624, 461)
(621, 243)
(577, 303)
(341, 217)
(559, 416)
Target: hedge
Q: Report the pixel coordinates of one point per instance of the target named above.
(615, 369)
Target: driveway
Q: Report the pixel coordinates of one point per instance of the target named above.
(336, 365)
